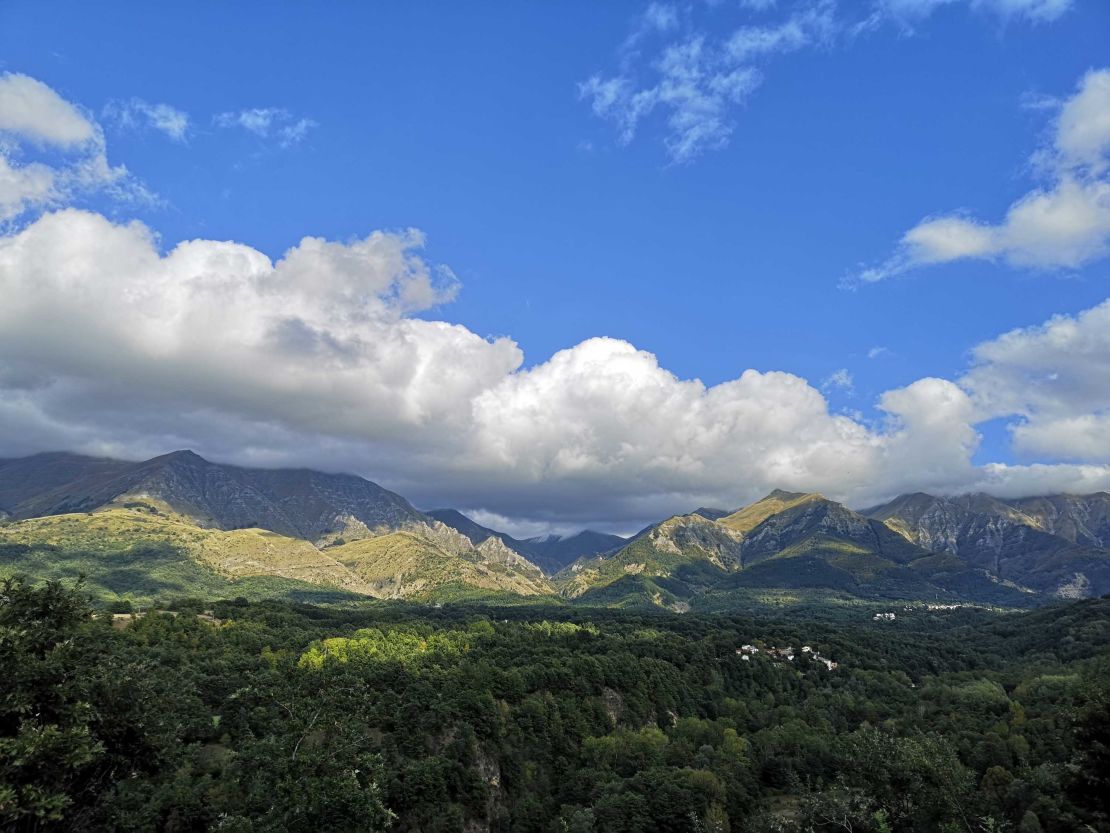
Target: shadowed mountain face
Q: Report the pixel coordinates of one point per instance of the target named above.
(295, 502)
(550, 553)
(1050, 545)
(554, 552)
(52, 483)
(711, 514)
(1081, 519)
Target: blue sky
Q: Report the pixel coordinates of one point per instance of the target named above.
(476, 124)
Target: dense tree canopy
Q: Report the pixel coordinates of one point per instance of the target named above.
(274, 717)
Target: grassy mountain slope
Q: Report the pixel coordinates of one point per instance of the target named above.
(749, 517)
(126, 553)
(147, 551)
(231, 553)
(406, 565)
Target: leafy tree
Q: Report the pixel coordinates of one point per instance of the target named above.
(47, 744)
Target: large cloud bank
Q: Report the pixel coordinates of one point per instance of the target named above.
(110, 346)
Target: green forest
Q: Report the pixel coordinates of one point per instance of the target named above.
(276, 716)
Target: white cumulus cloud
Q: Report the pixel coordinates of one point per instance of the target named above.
(110, 345)
(1055, 378)
(32, 110)
(1064, 225)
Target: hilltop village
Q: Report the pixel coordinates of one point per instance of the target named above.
(746, 652)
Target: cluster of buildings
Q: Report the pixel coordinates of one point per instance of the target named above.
(890, 617)
(746, 652)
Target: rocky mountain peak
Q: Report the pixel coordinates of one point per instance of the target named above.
(687, 534)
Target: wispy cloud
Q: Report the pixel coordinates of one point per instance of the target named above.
(1062, 225)
(137, 114)
(693, 69)
(913, 11)
(268, 123)
(841, 380)
(662, 17)
(696, 81)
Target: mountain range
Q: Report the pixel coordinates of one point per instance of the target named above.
(181, 524)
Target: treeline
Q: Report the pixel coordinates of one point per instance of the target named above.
(274, 717)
